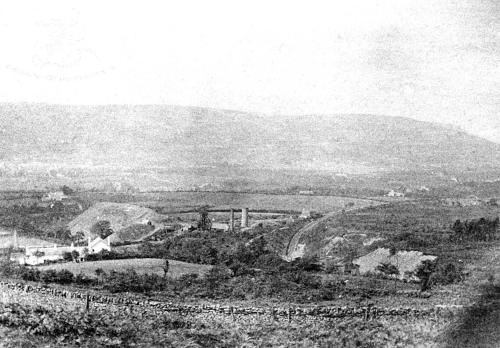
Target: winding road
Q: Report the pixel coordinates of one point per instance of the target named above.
(295, 250)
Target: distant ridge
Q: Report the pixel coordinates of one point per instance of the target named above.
(42, 136)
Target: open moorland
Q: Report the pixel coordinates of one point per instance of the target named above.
(168, 202)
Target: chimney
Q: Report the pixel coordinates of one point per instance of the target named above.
(231, 221)
(15, 241)
(244, 217)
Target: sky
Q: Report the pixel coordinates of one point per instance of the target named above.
(430, 60)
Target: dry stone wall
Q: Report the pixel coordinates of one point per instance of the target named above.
(100, 301)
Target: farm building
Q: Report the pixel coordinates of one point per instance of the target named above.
(306, 192)
(56, 196)
(306, 214)
(98, 245)
(36, 255)
(393, 193)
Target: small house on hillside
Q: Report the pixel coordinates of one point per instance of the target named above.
(306, 192)
(56, 196)
(98, 245)
(306, 214)
(36, 255)
(393, 193)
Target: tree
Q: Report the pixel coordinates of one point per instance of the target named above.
(68, 191)
(166, 266)
(389, 270)
(38, 253)
(102, 228)
(63, 233)
(100, 273)
(79, 237)
(424, 272)
(204, 222)
(8, 253)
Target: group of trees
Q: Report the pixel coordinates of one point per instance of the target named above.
(102, 228)
(482, 229)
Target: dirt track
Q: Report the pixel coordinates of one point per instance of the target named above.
(293, 249)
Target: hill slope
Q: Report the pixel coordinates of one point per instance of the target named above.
(38, 136)
(121, 217)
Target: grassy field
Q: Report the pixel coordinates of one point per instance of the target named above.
(141, 266)
(7, 240)
(179, 201)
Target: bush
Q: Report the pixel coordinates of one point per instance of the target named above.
(30, 274)
(83, 280)
(308, 264)
(424, 272)
(303, 278)
(67, 256)
(217, 275)
(64, 277)
(49, 276)
(131, 281)
(448, 273)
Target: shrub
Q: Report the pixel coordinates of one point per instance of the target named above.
(303, 278)
(30, 274)
(64, 277)
(82, 279)
(448, 273)
(388, 269)
(217, 275)
(424, 272)
(308, 264)
(49, 276)
(131, 281)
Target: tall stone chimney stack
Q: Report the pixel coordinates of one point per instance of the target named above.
(244, 217)
(231, 221)
(15, 242)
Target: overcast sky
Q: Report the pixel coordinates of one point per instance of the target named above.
(434, 60)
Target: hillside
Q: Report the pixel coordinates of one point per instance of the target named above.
(407, 225)
(163, 145)
(122, 218)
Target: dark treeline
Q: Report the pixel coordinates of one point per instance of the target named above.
(482, 229)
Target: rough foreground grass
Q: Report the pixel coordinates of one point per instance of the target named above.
(141, 266)
(62, 323)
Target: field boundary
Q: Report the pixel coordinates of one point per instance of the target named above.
(325, 312)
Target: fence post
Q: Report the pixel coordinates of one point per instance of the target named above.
(87, 302)
(289, 315)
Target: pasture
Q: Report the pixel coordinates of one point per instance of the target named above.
(141, 266)
(170, 202)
